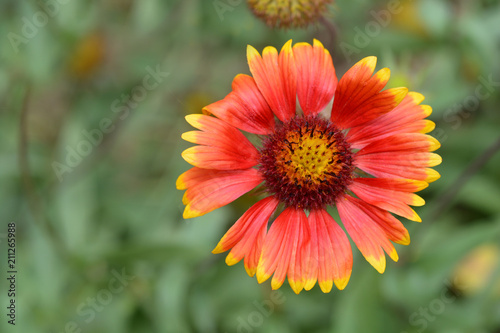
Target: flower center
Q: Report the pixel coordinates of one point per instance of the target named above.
(306, 163)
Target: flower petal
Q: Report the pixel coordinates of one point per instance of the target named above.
(246, 236)
(394, 165)
(407, 117)
(330, 259)
(368, 236)
(407, 142)
(316, 79)
(222, 146)
(195, 176)
(216, 189)
(244, 108)
(401, 156)
(283, 250)
(358, 98)
(393, 195)
(300, 253)
(276, 77)
(393, 228)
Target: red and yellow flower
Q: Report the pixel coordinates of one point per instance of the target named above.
(365, 154)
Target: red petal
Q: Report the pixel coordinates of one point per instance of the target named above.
(284, 248)
(195, 176)
(330, 258)
(358, 98)
(316, 79)
(300, 253)
(401, 156)
(252, 257)
(393, 228)
(392, 165)
(276, 77)
(407, 117)
(244, 108)
(404, 143)
(393, 195)
(216, 189)
(369, 237)
(246, 236)
(223, 147)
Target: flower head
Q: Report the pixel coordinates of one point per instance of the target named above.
(365, 154)
(289, 13)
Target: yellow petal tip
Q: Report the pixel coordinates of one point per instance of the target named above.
(287, 47)
(419, 185)
(261, 275)
(370, 62)
(194, 119)
(252, 54)
(220, 247)
(416, 97)
(231, 260)
(394, 255)
(309, 284)
(417, 201)
(378, 264)
(429, 126)
(270, 51)
(405, 240)
(250, 270)
(434, 144)
(179, 183)
(296, 285)
(275, 284)
(342, 282)
(414, 217)
(189, 136)
(383, 75)
(188, 155)
(434, 160)
(432, 175)
(189, 213)
(427, 110)
(399, 94)
(326, 286)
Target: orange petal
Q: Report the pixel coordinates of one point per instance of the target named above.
(246, 236)
(358, 98)
(215, 190)
(283, 248)
(252, 257)
(276, 78)
(300, 253)
(393, 195)
(316, 79)
(393, 228)
(397, 165)
(214, 158)
(401, 156)
(331, 256)
(222, 146)
(368, 236)
(406, 142)
(244, 108)
(407, 117)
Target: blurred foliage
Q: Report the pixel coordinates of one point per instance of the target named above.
(68, 71)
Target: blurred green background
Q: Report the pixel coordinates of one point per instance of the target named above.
(92, 100)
